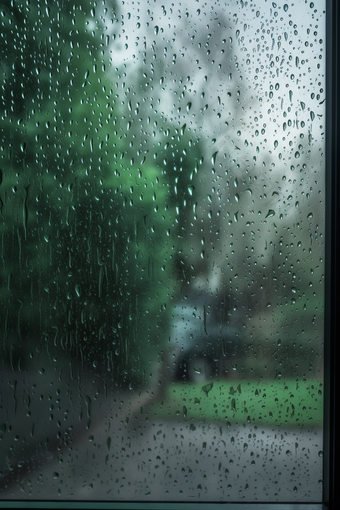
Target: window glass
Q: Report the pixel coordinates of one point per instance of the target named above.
(162, 240)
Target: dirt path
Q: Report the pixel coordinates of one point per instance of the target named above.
(102, 447)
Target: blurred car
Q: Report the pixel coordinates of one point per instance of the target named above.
(202, 346)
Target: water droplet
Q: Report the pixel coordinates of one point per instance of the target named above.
(156, 30)
(191, 190)
(312, 115)
(297, 155)
(207, 387)
(270, 213)
(285, 7)
(213, 157)
(310, 216)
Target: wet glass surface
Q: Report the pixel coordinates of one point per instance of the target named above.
(162, 250)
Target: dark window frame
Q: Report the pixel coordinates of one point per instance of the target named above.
(332, 331)
(331, 382)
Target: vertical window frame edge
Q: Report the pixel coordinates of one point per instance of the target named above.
(331, 443)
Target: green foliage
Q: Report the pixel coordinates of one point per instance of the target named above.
(86, 252)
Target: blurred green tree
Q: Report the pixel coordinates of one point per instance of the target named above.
(87, 257)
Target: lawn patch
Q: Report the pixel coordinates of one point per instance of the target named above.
(273, 403)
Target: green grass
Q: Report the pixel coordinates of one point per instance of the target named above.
(288, 403)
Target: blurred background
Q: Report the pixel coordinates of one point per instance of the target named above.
(162, 221)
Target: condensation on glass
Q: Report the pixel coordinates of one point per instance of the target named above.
(162, 228)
